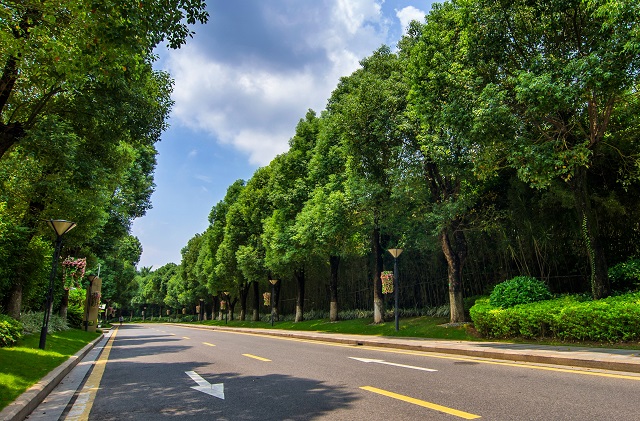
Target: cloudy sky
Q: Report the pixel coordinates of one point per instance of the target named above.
(241, 85)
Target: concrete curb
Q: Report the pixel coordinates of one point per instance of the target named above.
(577, 357)
(19, 409)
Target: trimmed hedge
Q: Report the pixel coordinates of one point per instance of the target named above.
(10, 330)
(613, 319)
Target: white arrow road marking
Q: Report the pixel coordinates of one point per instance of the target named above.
(369, 360)
(204, 386)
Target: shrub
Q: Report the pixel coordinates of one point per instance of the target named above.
(75, 316)
(519, 290)
(32, 322)
(10, 330)
(625, 276)
(613, 319)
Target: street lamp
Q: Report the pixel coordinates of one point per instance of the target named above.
(395, 253)
(226, 295)
(60, 227)
(273, 289)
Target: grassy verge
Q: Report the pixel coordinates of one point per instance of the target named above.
(24, 365)
(416, 327)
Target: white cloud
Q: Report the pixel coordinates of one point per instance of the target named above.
(251, 91)
(408, 14)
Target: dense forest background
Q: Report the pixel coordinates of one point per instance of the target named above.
(498, 139)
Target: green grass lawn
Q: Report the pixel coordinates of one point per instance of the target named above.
(415, 327)
(24, 365)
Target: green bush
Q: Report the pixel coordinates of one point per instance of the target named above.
(10, 330)
(613, 319)
(625, 276)
(75, 316)
(32, 322)
(519, 290)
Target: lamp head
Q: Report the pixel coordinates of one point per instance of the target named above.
(273, 281)
(60, 226)
(395, 252)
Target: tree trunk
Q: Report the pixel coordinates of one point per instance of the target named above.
(334, 263)
(256, 302)
(299, 275)
(231, 305)
(276, 301)
(244, 293)
(15, 301)
(378, 301)
(455, 260)
(64, 305)
(599, 277)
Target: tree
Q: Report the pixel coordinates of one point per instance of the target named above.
(254, 205)
(94, 171)
(288, 192)
(55, 49)
(368, 108)
(326, 225)
(441, 104)
(556, 73)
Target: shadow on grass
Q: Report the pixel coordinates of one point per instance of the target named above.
(24, 365)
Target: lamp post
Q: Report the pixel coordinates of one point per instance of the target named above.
(395, 253)
(226, 295)
(60, 227)
(273, 289)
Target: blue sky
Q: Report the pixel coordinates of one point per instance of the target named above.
(241, 85)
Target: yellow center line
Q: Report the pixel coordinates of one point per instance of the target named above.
(208, 344)
(422, 403)
(256, 357)
(84, 402)
(186, 337)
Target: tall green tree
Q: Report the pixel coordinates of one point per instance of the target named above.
(442, 103)
(557, 73)
(254, 206)
(370, 108)
(55, 49)
(289, 191)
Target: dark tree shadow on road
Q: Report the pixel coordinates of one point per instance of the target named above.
(268, 397)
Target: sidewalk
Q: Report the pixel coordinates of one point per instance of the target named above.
(584, 357)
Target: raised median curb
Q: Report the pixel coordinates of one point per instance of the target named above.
(24, 405)
(576, 356)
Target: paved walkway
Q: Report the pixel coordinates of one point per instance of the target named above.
(594, 358)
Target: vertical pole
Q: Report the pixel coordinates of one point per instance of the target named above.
(395, 289)
(47, 310)
(273, 289)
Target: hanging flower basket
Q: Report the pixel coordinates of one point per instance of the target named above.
(73, 271)
(267, 298)
(223, 305)
(387, 282)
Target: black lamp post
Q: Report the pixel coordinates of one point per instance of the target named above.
(395, 253)
(226, 295)
(273, 296)
(60, 227)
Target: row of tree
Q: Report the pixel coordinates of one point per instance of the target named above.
(501, 137)
(81, 109)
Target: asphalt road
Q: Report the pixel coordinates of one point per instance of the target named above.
(152, 370)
